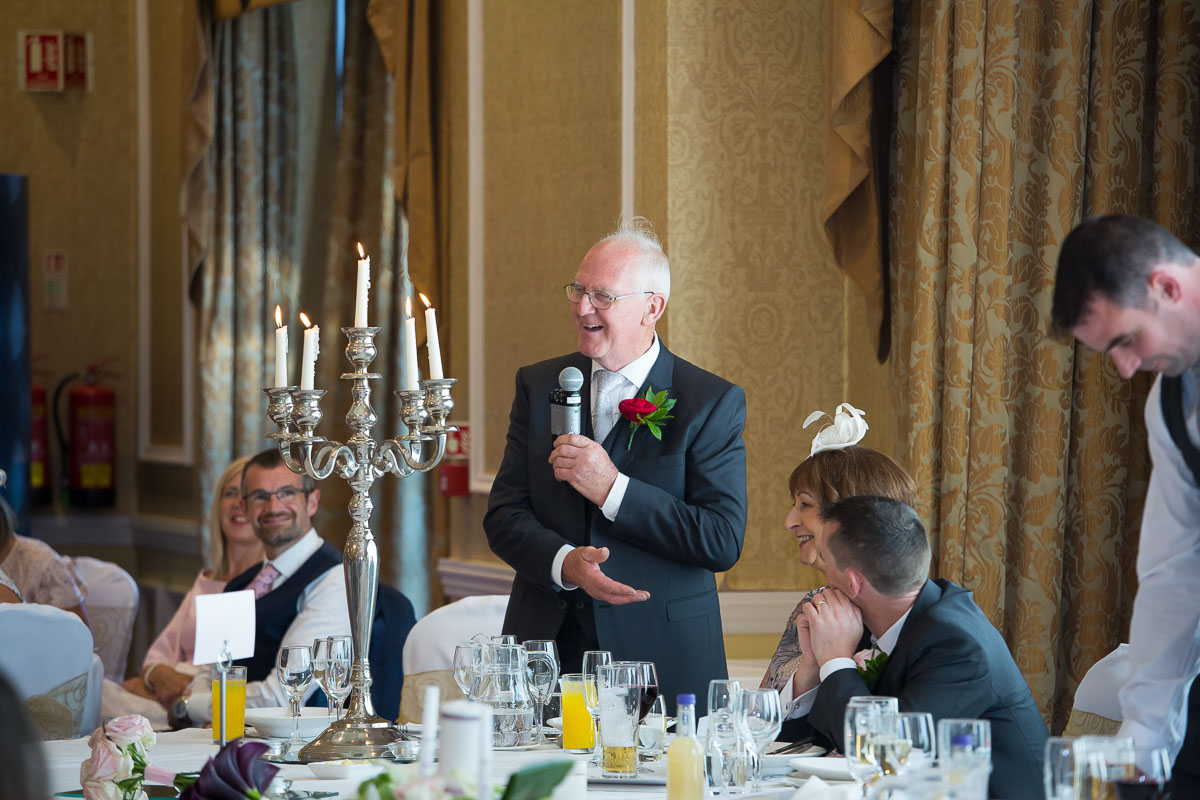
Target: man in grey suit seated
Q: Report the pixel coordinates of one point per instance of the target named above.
(615, 533)
(943, 656)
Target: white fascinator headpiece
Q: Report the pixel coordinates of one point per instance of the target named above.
(847, 428)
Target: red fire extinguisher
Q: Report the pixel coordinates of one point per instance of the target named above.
(89, 454)
(40, 493)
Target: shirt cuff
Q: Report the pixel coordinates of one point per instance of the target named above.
(834, 664)
(612, 503)
(556, 568)
(801, 705)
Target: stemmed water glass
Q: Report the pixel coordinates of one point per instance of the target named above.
(464, 668)
(721, 749)
(337, 670)
(862, 723)
(295, 673)
(592, 659)
(320, 659)
(759, 715)
(542, 679)
(916, 728)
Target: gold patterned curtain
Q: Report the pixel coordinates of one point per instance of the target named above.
(1015, 120)
(239, 206)
(375, 193)
(860, 38)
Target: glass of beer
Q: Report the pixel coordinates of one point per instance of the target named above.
(235, 704)
(577, 736)
(619, 688)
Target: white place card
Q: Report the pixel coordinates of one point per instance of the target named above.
(224, 619)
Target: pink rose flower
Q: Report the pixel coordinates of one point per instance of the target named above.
(101, 790)
(860, 658)
(131, 729)
(108, 763)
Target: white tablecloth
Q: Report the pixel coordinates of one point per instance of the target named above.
(187, 750)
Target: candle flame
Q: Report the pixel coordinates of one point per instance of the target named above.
(408, 306)
(361, 252)
(278, 317)
(304, 318)
(424, 299)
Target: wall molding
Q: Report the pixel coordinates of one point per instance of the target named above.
(480, 481)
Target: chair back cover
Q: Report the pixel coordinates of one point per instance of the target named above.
(112, 604)
(1096, 710)
(47, 656)
(429, 652)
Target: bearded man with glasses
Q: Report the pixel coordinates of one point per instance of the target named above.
(300, 587)
(615, 533)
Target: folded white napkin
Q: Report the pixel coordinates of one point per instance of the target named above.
(816, 789)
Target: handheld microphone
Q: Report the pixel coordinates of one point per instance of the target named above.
(565, 403)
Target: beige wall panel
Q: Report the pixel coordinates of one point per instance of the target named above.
(552, 143)
(755, 295)
(166, 268)
(79, 151)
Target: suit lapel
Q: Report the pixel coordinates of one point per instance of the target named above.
(930, 594)
(659, 378)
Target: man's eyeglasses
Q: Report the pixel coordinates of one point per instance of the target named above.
(599, 300)
(260, 498)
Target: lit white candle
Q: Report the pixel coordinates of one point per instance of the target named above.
(410, 347)
(312, 348)
(364, 283)
(432, 341)
(281, 349)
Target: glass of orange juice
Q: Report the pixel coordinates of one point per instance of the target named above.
(235, 704)
(578, 735)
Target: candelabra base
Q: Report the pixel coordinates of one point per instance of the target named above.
(367, 737)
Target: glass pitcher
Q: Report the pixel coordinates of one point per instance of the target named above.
(504, 685)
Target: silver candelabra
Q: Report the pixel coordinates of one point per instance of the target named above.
(361, 733)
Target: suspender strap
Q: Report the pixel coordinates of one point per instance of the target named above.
(1176, 421)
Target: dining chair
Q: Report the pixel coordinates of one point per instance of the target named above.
(48, 658)
(1095, 710)
(112, 603)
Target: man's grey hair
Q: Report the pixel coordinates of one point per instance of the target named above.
(654, 268)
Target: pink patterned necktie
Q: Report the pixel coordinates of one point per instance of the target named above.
(262, 582)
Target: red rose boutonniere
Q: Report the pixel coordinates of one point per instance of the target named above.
(651, 410)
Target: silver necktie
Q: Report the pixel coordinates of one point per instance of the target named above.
(605, 414)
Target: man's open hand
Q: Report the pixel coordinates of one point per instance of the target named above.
(581, 567)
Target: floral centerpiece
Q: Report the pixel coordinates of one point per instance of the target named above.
(119, 765)
(405, 782)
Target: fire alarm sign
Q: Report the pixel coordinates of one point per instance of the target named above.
(41, 68)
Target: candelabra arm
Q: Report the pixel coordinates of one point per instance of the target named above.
(417, 464)
(392, 458)
(327, 460)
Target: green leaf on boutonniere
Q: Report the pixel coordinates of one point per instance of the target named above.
(871, 668)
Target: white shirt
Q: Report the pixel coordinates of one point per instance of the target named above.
(322, 610)
(635, 374)
(803, 704)
(1164, 634)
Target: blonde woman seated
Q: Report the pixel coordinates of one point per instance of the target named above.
(233, 548)
(835, 468)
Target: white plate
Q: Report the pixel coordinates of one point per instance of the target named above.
(837, 769)
(774, 766)
(555, 722)
(276, 722)
(346, 770)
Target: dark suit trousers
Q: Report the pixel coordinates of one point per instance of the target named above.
(1185, 775)
(577, 634)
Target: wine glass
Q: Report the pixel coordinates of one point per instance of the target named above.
(862, 721)
(591, 660)
(758, 715)
(464, 668)
(337, 672)
(916, 728)
(1130, 773)
(722, 754)
(320, 658)
(295, 673)
(542, 680)
(1061, 769)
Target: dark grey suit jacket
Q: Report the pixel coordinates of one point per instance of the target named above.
(683, 518)
(951, 662)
